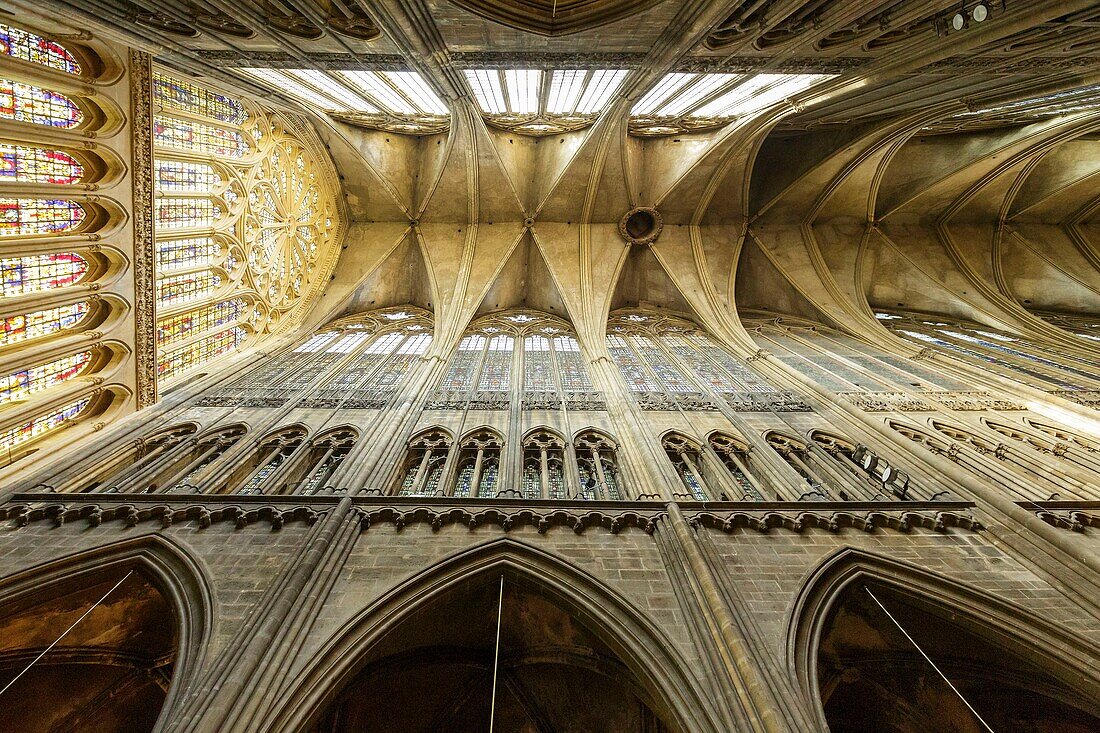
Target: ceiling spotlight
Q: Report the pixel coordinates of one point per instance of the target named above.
(979, 12)
(958, 21)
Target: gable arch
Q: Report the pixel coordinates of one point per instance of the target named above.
(639, 643)
(182, 580)
(1064, 655)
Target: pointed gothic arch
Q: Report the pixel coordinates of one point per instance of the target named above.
(1018, 634)
(638, 643)
(158, 563)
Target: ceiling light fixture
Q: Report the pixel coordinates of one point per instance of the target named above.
(979, 12)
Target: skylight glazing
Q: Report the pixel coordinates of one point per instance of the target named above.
(685, 101)
(542, 102)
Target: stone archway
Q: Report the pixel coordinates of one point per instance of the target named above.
(1015, 671)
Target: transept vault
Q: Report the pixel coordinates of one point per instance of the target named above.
(679, 366)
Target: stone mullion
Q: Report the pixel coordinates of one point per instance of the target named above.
(143, 474)
(743, 467)
(844, 476)
(714, 467)
(510, 468)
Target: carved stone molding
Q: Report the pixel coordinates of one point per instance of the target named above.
(444, 400)
(167, 514)
(591, 401)
(899, 521)
(145, 301)
(1088, 398)
(541, 401)
(973, 401)
(766, 402)
(886, 401)
(507, 519)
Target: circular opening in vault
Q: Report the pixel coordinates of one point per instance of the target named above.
(640, 224)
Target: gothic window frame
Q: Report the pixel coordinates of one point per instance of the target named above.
(325, 456)
(65, 315)
(543, 456)
(686, 456)
(482, 450)
(210, 447)
(426, 456)
(605, 477)
(262, 470)
(733, 453)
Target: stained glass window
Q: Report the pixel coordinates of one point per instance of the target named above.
(38, 216)
(980, 356)
(175, 254)
(487, 485)
(37, 378)
(42, 323)
(27, 103)
(33, 273)
(465, 478)
(574, 375)
(182, 288)
(463, 367)
(26, 46)
(745, 378)
(178, 175)
(538, 372)
(27, 164)
(35, 427)
(196, 137)
(636, 376)
(180, 95)
(673, 379)
(178, 361)
(496, 373)
(175, 213)
(199, 320)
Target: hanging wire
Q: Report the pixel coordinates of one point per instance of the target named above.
(496, 657)
(928, 659)
(66, 631)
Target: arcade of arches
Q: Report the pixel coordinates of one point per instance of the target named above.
(654, 367)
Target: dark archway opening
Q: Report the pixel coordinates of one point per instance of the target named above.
(873, 680)
(109, 674)
(433, 672)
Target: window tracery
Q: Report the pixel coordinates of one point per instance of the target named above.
(48, 84)
(185, 475)
(328, 453)
(597, 466)
(863, 474)
(423, 472)
(478, 464)
(796, 454)
(668, 363)
(543, 465)
(517, 352)
(246, 205)
(687, 460)
(734, 454)
(264, 471)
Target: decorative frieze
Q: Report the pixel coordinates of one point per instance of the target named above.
(1086, 397)
(541, 401)
(973, 401)
(766, 402)
(489, 401)
(886, 401)
(796, 521)
(592, 401)
(660, 401)
(444, 400)
(130, 515)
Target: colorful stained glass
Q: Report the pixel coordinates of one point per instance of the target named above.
(37, 378)
(34, 273)
(177, 213)
(181, 176)
(538, 372)
(743, 377)
(27, 46)
(669, 374)
(176, 362)
(199, 320)
(532, 482)
(183, 288)
(196, 137)
(464, 365)
(39, 216)
(42, 323)
(27, 164)
(176, 254)
(175, 94)
(496, 372)
(574, 375)
(464, 480)
(488, 480)
(35, 427)
(636, 376)
(28, 103)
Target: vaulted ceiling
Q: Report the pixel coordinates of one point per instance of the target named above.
(952, 171)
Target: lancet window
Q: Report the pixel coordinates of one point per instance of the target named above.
(1072, 456)
(734, 455)
(796, 453)
(138, 469)
(246, 219)
(186, 474)
(521, 352)
(427, 456)
(1012, 356)
(478, 471)
(265, 471)
(543, 465)
(841, 363)
(858, 472)
(50, 225)
(328, 453)
(687, 459)
(1085, 328)
(668, 363)
(597, 466)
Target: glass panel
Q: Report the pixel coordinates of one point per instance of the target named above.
(176, 362)
(555, 481)
(611, 475)
(176, 213)
(538, 373)
(746, 378)
(38, 216)
(180, 176)
(496, 373)
(195, 136)
(27, 164)
(180, 95)
(176, 254)
(38, 378)
(42, 323)
(636, 376)
(463, 367)
(183, 288)
(673, 379)
(532, 483)
(26, 46)
(35, 427)
(571, 368)
(41, 272)
(692, 485)
(27, 103)
(487, 485)
(199, 320)
(465, 479)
